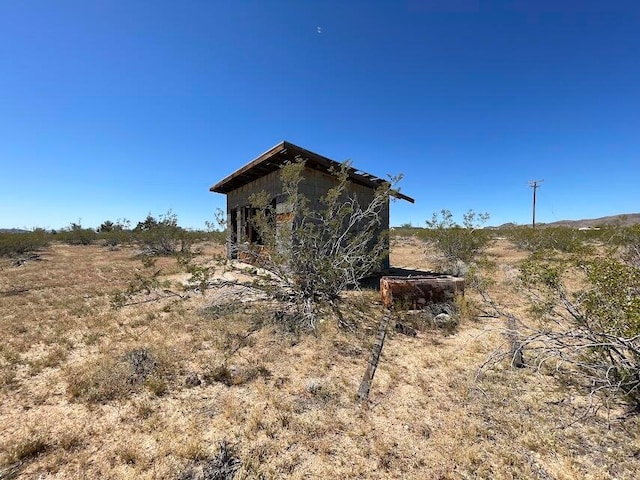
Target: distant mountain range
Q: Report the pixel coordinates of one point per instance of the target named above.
(623, 220)
(13, 230)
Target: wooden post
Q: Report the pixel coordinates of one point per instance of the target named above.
(517, 359)
(374, 358)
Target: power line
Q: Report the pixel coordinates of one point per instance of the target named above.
(535, 184)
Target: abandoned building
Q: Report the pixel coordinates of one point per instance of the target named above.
(262, 175)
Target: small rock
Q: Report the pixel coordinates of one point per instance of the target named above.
(444, 320)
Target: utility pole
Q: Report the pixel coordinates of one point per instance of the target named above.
(535, 184)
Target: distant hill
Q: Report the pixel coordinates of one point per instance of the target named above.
(13, 230)
(623, 220)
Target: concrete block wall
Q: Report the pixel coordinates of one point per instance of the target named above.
(314, 185)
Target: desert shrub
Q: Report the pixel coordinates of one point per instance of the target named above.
(628, 239)
(162, 236)
(234, 376)
(458, 243)
(326, 247)
(106, 378)
(592, 334)
(115, 233)
(107, 226)
(223, 466)
(405, 231)
(98, 381)
(31, 445)
(21, 243)
(562, 239)
(216, 236)
(75, 234)
(444, 317)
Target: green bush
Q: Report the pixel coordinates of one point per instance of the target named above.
(117, 233)
(162, 236)
(562, 239)
(75, 234)
(404, 231)
(21, 243)
(628, 238)
(458, 242)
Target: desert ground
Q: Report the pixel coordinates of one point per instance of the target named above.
(149, 388)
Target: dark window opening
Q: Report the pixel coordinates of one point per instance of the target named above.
(233, 233)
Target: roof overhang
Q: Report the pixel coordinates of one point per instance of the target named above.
(274, 158)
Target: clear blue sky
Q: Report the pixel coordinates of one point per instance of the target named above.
(113, 109)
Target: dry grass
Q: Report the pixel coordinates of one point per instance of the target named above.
(79, 399)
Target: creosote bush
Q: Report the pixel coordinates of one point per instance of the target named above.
(115, 233)
(458, 244)
(21, 243)
(592, 335)
(162, 236)
(326, 247)
(629, 240)
(75, 234)
(561, 239)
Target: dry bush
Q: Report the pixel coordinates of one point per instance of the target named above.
(233, 375)
(106, 378)
(589, 336)
(26, 448)
(223, 465)
(99, 380)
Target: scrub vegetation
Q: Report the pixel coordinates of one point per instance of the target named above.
(127, 363)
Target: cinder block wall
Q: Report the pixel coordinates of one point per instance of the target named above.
(314, 185)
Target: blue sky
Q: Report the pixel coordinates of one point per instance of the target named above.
(114, 109)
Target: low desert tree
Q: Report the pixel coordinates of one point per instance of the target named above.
(458, 243)
(317, 250)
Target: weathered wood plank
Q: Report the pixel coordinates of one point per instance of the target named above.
(374, 358)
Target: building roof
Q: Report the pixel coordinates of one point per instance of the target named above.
(274, 158)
